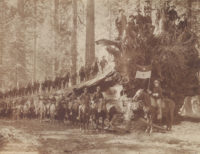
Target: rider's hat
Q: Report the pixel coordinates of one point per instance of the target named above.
(173, 6)
(121, 10)
(132, 16)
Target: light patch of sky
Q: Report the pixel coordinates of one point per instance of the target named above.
(12, 3)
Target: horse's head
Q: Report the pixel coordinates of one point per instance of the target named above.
(138, 95)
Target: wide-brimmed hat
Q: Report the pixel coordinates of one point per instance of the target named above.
(132, 16)
(173, 6)
(121, 10)
(138, 10)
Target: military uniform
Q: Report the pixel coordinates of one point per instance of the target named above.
(172, 15)
(85, 99)
(120, 24)
(157, 95)
(97, 96)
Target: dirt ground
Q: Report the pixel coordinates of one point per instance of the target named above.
(33, 137)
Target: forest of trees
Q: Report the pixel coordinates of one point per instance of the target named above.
(42, 39)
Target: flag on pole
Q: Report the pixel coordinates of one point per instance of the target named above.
(143, 72)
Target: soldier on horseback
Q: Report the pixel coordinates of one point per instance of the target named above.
(157, 97)
(98, 95)
(85, 100)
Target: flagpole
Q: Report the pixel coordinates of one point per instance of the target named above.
(150, 77)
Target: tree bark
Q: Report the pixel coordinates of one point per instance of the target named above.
(1, 30)
(90, 34)
(74, 41)
(56, 29)
(35, 43)
(20, 45)
(189, 12)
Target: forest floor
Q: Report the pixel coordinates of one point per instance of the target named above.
(33, 137)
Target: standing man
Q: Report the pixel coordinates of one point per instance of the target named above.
(120, 24)
(172, 14)
(103, 63)
(82, 74)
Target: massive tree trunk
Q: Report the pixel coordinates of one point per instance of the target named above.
(1, 30)
(189, 12)
(90, 34)
(56, 29)
(74, 41)
(1, 38)
(35, 43)
(20, 46)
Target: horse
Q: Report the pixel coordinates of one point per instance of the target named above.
(84, 116)
(42, 110)
(52, 112)
(73, 111)
(98, 110)
(150, 109)
(25, 111)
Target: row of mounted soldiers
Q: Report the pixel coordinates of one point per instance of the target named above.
(85, 74)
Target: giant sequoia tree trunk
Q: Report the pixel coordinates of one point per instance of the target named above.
(90, 34)
(189, 11)
(20, 45)
(56, 29)
(1, 37)
(74, 41)
(1, 29)
(35, 43)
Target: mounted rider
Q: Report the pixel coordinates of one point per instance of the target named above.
(98, 95)
(157, 96)
(84, 100)
(98, 98)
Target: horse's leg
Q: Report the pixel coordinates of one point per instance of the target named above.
(148, 124)
(171, 119)
(103, 122)
(151, 124)
(97, 121)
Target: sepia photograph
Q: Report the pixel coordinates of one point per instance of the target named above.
(99, 76)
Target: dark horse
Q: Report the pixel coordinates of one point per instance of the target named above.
(99, 111)
(72, 111)
(150, 109)
(84, 116)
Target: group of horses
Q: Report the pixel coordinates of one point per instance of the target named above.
(57, 108)
(63, 108)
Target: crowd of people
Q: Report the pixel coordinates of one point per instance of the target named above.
(84, 74)
(58, 107)
(138, 27)
(21, 102)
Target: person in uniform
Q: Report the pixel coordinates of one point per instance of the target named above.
(98, 95)
(82, 74)
(103, 63)
(131, 32)
(172, 14)
(139, 18)
(120, 24)
(183, 23)
(84, 101)
(157, 95)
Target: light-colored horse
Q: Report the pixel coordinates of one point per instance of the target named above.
(52, 112)
(42, 110)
